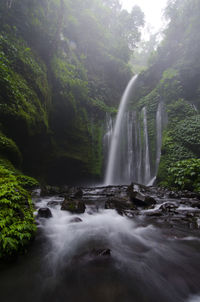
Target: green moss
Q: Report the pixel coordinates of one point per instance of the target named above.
(187, 133)
(178, 110)
(17, 100)
(21, 59)
(9, 149)
(71, 78)
(172, 151)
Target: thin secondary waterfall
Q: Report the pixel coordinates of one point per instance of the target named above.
(158, 135)
(158, 140)
(147, 172)
(115, 143)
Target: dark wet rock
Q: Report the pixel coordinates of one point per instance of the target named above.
(190, 215)
(50, 190)
(156, 213)
(36, 192)
(53, 203)
(139, 199)
(182, 194)
(44, 212)
(76, 219)
(101, 252)
(78, 194)
(142, 200)
(188, 194)
(73, 206)
(194, 204)
(168, 207)
(130, 213)
(173, 194)
(73, 192)
(120, 204)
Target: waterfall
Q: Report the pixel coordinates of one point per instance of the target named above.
(147, 172)
(129, 157)
(108, 135)
(114, 155)
(158, 135)
(159, 123)
(130, 154)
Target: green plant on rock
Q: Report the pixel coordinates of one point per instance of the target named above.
(185, 175)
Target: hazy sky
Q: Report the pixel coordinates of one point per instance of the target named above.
(153, 10)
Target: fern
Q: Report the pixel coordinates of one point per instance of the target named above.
(17, 225)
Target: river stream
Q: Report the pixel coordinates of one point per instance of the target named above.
(104, 256)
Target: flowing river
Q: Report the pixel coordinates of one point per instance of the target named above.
(102, 256)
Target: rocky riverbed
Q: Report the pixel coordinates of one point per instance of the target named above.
(157, 205)
(110, 244)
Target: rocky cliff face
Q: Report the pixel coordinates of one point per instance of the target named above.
(53, 96)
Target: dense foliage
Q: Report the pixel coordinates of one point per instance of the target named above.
(185, 175)
(17, 225)
(173, 78)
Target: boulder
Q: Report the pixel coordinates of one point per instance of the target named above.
(174, 195)
(168, 207)
(53, 203)
(50, 190)
(73, 192)
(156, 213)
(142, 200)
(73, 206)
(139, 199)
(120, 204)
(44, 212)
(76, 219)
(78, 194)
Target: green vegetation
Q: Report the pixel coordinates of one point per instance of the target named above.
(17, 226)
(172, 77)
(185, 175)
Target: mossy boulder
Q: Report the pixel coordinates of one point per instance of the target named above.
(73, 206)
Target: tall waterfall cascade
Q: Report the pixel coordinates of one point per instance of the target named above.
(127, 144)
(108, 135)
(112, 168)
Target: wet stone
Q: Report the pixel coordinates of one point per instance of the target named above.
(120, 204)
(73, 206)
(53, 203)
(44, 213)
(101, 252)
(75, 220)
(168, 207)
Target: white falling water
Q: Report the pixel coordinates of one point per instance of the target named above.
(112, 159)
(158, 135)
(130, 144)
(108, 134)
(147, 172)
(158, 141)
(139, 153)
